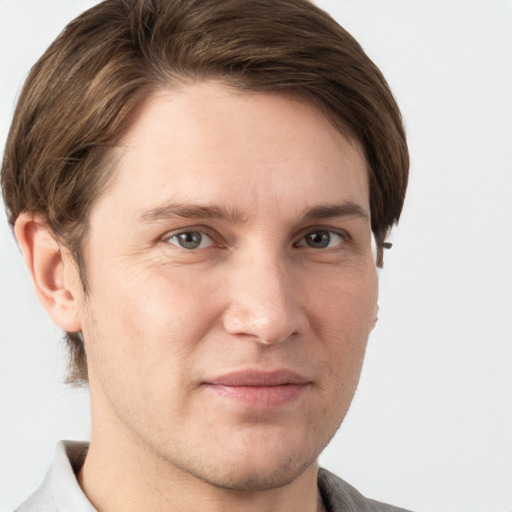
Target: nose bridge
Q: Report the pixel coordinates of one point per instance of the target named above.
(263, 304)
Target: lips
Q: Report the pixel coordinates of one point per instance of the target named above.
(260, 389)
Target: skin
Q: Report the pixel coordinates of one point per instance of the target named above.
(162, 322)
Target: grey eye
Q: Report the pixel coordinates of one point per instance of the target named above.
(191, 240)
(321, 239)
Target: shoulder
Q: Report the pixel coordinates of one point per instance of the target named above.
(339, 496)
(39, 501)
(60, 491)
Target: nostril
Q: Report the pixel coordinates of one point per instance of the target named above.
(271, 325)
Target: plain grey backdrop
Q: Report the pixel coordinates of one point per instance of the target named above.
(431, 424)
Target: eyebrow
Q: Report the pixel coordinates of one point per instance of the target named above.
(330, 211)
(192, 211)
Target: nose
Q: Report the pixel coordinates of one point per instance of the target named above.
(264, 304)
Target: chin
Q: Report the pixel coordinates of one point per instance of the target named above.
(248, 476)
(257, 464)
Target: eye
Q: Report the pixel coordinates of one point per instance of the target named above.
(321, 239)
(191, 240)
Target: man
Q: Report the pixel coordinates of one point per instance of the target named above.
(202, 192)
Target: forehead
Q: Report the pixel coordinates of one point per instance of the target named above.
(209, 143)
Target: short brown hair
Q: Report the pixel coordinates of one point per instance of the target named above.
(82, 93)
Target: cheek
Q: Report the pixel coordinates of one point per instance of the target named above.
(343, 318)
(345, 307)
(148, 325)
(141, 341)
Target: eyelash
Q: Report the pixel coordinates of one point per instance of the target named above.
(343, 238)
(326, 237)
(201, 234)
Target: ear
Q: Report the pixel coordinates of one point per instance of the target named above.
(53, 271)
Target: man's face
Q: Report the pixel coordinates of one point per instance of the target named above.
(232, 286)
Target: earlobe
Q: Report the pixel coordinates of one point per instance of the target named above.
(54, 279)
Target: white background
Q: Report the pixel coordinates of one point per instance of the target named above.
(431, 425)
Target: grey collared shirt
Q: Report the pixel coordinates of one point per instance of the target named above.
(60, 491)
